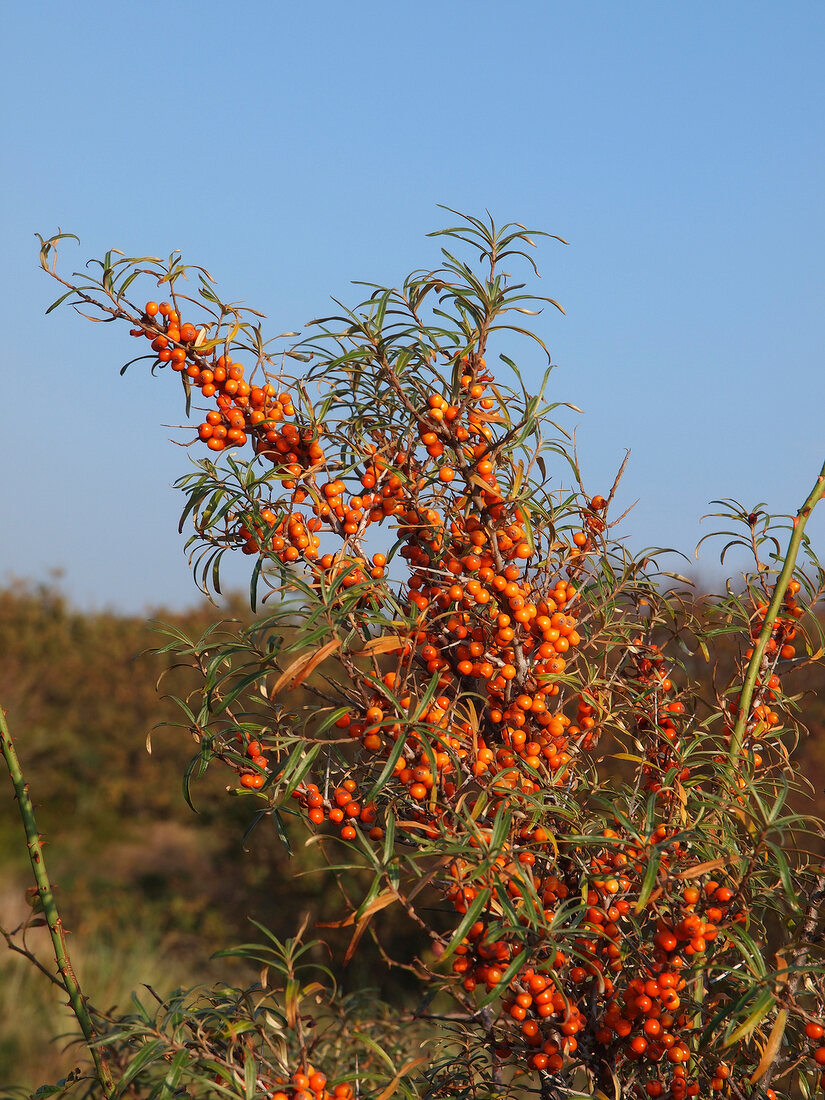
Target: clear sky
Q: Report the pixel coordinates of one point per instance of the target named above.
(293, 147)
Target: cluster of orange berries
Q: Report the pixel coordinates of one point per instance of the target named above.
(384, 493)
(459, 651)
(492, 609)
(342, 807)
(551, 1000)
(255, 780)
(241, 408)
(780, 647)
(478, 620)
(289, 538)
(680, 1087)
(780, 644)
(417, 770)
(296, 536)
(545, 1018)
(295, 450)
(649, 1016)
(311, 1084)
(442, 422)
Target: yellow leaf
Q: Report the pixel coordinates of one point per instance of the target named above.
(700, 868)
(386, 644)
(772, 1046)
(356, 938)
(781, 969)
(681, 794)
(392, 1087)
(480, 483)
(303, 666)
(385, 898)
(472, 717)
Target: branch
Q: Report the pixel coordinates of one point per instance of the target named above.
(755, 662)
(50, 910)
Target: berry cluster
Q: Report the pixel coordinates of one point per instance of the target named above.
(481, 645)
(310, 1084)
(497, 634)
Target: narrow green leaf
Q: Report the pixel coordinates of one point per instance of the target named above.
(762, 1006)
(149, 1053)
(651, 873)
(388, 768)
(478, 903)
(173, 1077)
(250, 1076)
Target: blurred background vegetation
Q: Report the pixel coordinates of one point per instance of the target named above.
(147, 888)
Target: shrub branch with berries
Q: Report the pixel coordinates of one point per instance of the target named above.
(461, 682)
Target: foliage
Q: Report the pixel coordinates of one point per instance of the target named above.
(147, 889)
(499, 731)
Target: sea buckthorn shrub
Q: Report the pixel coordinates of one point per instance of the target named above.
(501, 734)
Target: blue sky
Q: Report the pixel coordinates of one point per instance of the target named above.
(292, 148)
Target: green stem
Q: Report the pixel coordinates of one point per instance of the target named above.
(755, 662)
(50, 910)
